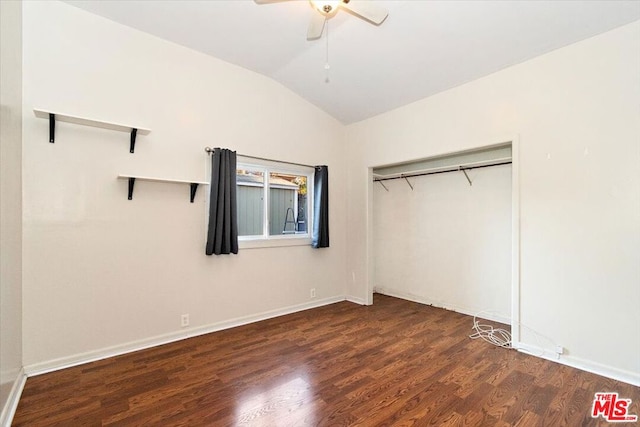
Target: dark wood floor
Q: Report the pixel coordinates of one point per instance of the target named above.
(393, 363)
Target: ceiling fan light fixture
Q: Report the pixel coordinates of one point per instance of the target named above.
(326, 7)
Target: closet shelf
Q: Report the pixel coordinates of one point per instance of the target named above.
(451, 168)
(192, 183)
(85, 121)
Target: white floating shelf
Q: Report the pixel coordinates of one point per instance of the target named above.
(132, 179)
(54, 116)
(63, 117)
(151, 178)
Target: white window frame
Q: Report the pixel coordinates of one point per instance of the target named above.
(266, 240)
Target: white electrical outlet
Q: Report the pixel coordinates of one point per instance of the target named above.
(559, 349)
(184, 320)
(313, 292)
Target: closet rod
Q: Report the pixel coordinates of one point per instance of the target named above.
(209, 150)
(457, 169)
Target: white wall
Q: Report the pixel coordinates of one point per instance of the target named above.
(576, 111)
(446, 243)
(101, 271)
(10, 196)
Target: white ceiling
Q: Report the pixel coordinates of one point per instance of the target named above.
(424, 47)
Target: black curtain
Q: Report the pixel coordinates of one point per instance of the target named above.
(320, 235)
(222, 237)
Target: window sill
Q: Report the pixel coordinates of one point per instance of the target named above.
(274, 242)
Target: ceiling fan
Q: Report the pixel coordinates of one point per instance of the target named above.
(327, 9)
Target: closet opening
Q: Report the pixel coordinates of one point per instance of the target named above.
(444, 232)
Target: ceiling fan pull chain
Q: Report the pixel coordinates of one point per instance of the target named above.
(326, 65)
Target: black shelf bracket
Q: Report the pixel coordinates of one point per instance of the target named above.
(194, 189)
(132, 145)
(60, 117)
(132, 182)
(52, 128)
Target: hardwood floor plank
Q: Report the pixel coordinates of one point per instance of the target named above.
(395, 363)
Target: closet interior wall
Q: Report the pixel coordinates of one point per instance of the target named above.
(446, 241)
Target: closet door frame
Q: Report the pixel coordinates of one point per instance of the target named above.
(514, 142)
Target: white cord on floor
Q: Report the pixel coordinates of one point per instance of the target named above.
(496, 336)
(502, 338)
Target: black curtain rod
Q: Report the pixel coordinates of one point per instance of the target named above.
(460, 168)
(209, 150)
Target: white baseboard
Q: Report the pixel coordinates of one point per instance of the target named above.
(104, 353)
(66, 362)
(582, 364)
(439, 304)
(9, 410)
(575, 362)
(355, 300)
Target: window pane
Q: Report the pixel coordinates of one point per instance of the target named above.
(250, 195)
(288, 204)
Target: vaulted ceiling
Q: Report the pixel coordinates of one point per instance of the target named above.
(423, 47)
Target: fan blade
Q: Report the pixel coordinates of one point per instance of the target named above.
(366, 10)
(316, 26)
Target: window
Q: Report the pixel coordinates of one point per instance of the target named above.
(274, 203)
